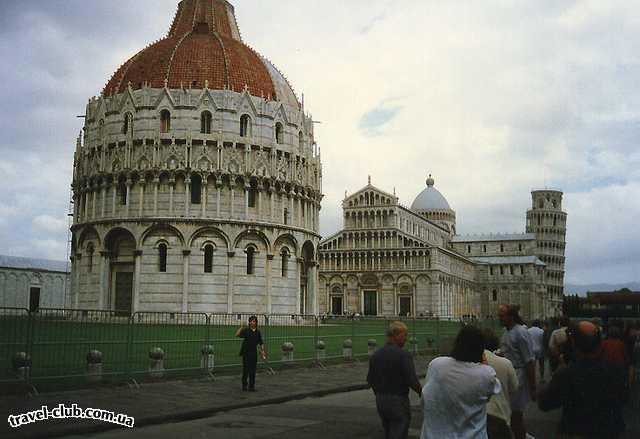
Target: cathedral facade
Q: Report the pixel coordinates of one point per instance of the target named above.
(392, 260)
(197, 180)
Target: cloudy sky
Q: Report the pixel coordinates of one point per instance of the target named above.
(493, 98)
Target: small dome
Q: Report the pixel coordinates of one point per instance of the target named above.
(430, 199)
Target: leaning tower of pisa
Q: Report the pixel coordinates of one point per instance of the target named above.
(549, 222)
(197, 180)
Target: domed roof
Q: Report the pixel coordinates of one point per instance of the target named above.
(203, 48)
(430, 199)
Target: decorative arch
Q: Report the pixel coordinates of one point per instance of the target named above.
(308, 251)
(252, 233)
(117, 233)
(160, 242)
(387, 279)
(86, 234)
(405, 279)
(209, 230)
(369, 279)
(288, 240)
(245, 125)
(162, 227)
(165, 120)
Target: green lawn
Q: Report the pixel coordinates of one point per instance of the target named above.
(58, 343)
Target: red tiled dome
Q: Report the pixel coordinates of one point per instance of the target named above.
(203, 46)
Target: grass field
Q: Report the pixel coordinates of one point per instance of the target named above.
(58, 342)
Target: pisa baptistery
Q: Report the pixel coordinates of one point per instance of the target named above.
(197, 180)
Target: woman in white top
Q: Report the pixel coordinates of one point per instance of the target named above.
(457, 390)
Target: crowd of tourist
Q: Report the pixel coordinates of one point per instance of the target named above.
(482, 389)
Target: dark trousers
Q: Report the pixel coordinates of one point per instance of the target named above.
(498, 428)
(249, 364)
(541, 366)
(395, 413)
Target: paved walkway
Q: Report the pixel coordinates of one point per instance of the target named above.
(172, 401)
(175, 401)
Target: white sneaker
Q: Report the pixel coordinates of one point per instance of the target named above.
(528, 436)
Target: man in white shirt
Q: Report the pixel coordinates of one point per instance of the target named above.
(499, 406)
(537, 333)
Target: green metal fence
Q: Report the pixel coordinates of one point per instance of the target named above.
(59, 346)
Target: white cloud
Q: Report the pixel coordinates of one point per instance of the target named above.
(49, 224)
(48, 249)
(497, 98)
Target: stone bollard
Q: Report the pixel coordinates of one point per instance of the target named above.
(321, 350)
(22, 365)
(431, 345)
(156, 363)
(287, 352)
(371, 343)
(94, 366)
(347, 349)
(207, 359)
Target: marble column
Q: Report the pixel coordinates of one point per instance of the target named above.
(186, 254)
(203, 202)
(128, 203)
(104, 279)
(268, 275)
(230, 281)
(187, 197)
(135, 306)
(156, 188)
(141, 207)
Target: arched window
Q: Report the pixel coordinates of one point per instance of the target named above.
(286, 216)
(101, 129)
(301, 140)
(90, 258)
(208, 258)
(279, 133)
(285, 262)
(205, 122)
(196, 189)
(502, 248)
(165, 121)
(245, 126)
(127, 124)
(122, 192)
(162, 258)
(253, 194)
(495, 295)
(250, 260)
